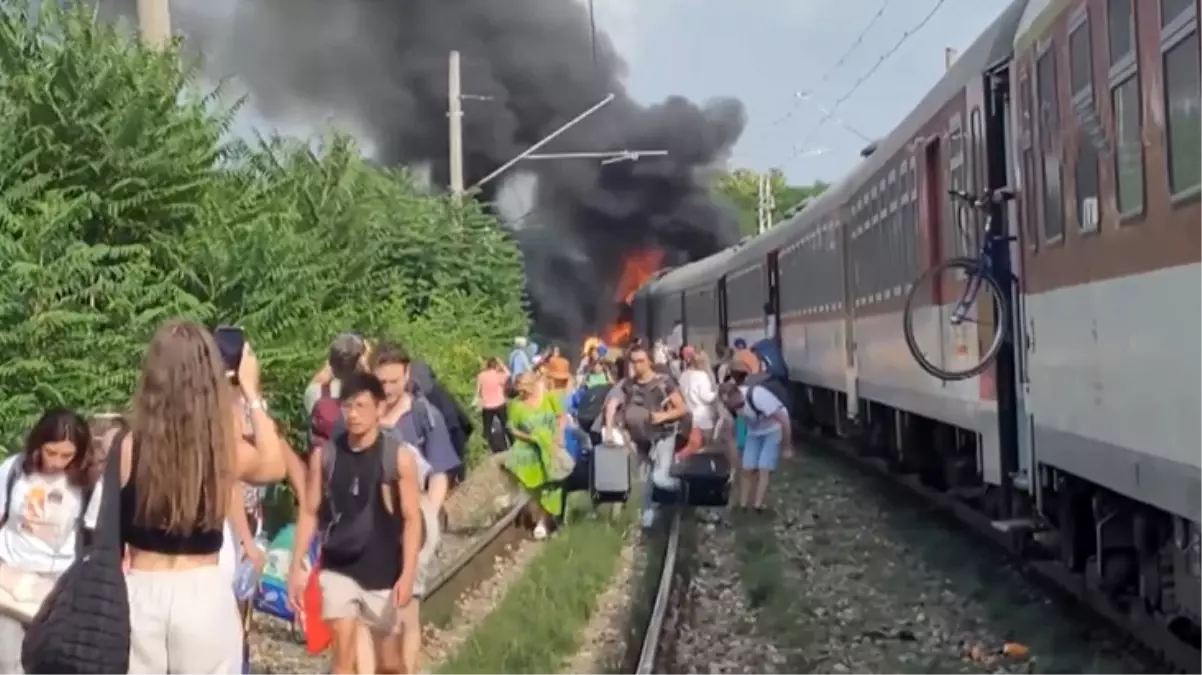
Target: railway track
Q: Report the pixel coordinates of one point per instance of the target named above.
(876, 581)
(1153, 640)
(654, 638)
(468, 559)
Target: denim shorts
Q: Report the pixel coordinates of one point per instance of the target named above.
(762, 451)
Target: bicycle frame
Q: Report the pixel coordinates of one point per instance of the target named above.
(984, 263)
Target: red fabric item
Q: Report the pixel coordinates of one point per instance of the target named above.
(318, 635)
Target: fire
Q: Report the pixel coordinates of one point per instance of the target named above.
(636, 270)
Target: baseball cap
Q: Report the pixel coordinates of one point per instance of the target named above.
(744, 362)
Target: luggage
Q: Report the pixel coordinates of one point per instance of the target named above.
(609, 478)
(704, 479)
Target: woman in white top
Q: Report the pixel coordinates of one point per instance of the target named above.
(698, 388)
(43, 492)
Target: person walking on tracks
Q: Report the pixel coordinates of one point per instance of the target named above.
(364, 495)
(769, 431)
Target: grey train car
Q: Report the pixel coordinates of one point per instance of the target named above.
(1082, 441)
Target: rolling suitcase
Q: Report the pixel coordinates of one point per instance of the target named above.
(704, 479)
(609, 476)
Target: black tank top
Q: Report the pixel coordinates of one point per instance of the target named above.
(193, 542)
(354, 486)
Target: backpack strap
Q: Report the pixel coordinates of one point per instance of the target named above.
(14, 475)
(389, 459)
(750, 400)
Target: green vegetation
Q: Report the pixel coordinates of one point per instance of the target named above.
(123, 202)
(538, 623)
(741, 187)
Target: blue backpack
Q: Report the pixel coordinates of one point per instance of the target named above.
(771, 358)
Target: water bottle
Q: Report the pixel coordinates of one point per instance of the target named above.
(246, 580)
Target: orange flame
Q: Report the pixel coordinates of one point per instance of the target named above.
(637, 269)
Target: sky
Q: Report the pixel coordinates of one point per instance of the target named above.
(766, 51)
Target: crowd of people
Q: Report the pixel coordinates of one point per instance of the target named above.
(162, 539)
(542, 417)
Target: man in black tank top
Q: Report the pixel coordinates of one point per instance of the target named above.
(371, 527)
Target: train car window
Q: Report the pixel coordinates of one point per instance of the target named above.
(1120, 25)
(1129, 155)
(1049, 131)
(1179, 47)
(1085, 161)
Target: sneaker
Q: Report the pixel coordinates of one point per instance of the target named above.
(540, 532)
(648, 519)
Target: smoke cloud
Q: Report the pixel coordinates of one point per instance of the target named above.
(379, 67)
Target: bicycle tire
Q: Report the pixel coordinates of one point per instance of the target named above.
(1001, 321)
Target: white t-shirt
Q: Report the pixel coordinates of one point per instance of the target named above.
(768, 405)
(699, 391)
(40, 535)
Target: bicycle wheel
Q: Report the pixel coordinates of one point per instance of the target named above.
(948, 354)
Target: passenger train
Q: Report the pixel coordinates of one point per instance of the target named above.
(1081, 442)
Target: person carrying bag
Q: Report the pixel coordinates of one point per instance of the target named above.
(83, 625)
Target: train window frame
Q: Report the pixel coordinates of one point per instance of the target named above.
(1175, 34)
(1051, 149)
(976, 127)
(1082, 95)
(953, 237)
(1124, 73)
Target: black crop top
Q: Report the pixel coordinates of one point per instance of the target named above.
(155, 540)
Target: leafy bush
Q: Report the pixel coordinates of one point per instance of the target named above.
(122, 204)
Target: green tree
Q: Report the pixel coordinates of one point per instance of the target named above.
(122, 206)
(741, 188)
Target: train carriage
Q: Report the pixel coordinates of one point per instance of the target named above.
(1082, 439)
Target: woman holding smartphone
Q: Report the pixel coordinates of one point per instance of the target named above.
(180, 463)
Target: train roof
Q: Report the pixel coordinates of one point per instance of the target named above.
(693, 274)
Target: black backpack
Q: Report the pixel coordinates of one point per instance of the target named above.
(83, 625)
(653, 399)
(591, 405)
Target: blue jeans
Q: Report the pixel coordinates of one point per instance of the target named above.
(761, 452)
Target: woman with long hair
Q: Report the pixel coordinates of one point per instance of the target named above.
(46, 504)
(180, 465)
(490, 393)
(536, 421)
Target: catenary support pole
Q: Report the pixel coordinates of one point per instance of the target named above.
(455, 125)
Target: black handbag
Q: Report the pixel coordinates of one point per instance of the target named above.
(83, 625)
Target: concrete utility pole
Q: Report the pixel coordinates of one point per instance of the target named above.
(455, 124)
(766, 204)
(154, 22)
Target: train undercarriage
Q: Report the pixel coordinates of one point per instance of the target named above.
(1139, 566)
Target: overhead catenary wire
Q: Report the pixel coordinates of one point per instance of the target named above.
(855, 44)
(804, 145)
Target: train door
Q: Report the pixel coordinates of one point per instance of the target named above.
(1014, 426)
(683, 318)
(723, 337)
(772, 307)
(934, 201)
(850, 373)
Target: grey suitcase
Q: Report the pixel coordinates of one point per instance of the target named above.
(609, 477)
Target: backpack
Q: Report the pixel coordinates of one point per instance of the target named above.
(650, 399)
(591, 404)
(83, 625)
(772, 384)
(86, 498)
(324, 418)
(771, 359)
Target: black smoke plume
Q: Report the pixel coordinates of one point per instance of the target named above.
(381, 67)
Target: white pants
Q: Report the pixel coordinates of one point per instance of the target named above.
(184, 621)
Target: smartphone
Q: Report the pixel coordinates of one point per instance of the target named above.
(230, 342)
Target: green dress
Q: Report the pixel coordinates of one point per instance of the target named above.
(528, 461)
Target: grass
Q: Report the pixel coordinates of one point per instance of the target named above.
(538, 623)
